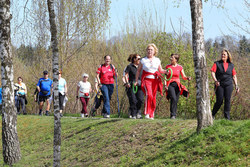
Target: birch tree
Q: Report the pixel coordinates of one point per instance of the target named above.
(204, 115)
(57, 121)
(10, 142)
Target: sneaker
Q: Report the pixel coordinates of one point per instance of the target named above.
(139, 116)
(105, 115)
(147, 116)
(40, 113)
(213, 117)
(108, 116)
(61, 114)
(130, 116)
(82, 115)
(47, 113)
(86, 115)
(134, 117)
(172, 117)
(151, 118)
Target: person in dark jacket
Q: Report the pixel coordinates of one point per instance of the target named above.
(224, 74)
(135, 98)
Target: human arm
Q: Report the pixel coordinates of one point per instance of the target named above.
(127, 81)
(235, 83)
(161, 70)
(65, 88)
(217, 83)
(98, 80)
(138, 73)
(184, 77)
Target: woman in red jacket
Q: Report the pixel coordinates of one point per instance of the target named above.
(150, 79)
(173, 87)
(223, 74)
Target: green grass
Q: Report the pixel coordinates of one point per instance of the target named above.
(127, 142)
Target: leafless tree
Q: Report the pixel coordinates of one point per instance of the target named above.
(204, 115)
(57, 118)
(11, 146)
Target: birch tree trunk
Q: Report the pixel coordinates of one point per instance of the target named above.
(10, 142)
(57, 118)
(204, 115)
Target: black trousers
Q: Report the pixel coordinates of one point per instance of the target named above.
(61, 100)
(173, 93)
(223, 92)
(20, 103)
(98, 102)
(135, 100)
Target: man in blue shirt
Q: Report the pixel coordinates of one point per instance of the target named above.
(44, 86)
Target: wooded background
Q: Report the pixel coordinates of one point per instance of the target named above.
(83, 44)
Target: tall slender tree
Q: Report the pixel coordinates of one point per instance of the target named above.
(204, 115)
(11, 146)
(57, 118)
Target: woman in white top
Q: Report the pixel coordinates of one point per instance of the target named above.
(62, 88)
(150, 79)
(83, 91)
(20, 93)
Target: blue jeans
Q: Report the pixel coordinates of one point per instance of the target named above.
(107, 91)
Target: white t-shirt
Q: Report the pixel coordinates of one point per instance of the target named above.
(61, 85)
(150, 65)
(84, 87)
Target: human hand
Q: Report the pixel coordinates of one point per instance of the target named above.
(217, 83)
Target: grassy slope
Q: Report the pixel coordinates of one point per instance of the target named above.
(126, 142)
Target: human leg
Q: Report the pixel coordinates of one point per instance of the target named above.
(227, 105)
(149, 96)
(173, 98)
(132, 101)
(219, 100)
(106, 104)
(22, 102)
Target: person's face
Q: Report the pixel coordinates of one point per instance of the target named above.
(46, 75)
(224, 56)
(108, 60)
(85, 79)
(150, 51)
(137, 60)
(19, 80)
(173, 60)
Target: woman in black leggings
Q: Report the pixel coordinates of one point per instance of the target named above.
(223, 74)
(135, 98)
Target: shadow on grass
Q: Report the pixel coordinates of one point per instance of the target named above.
(169, 150)
(89, 127)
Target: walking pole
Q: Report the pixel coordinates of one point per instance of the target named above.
(117, 94)
(187, 102)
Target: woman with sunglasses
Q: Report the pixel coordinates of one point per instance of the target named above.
(151, 79)
(135, 95)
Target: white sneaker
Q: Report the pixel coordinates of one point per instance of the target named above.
(108, 116)
(147, 116)
(134, 117)
(82, 115)
(151, 118)
(130, 116)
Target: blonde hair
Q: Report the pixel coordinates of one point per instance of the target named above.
(230, 59)
(154, 46)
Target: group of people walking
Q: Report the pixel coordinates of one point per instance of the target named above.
(142, 77)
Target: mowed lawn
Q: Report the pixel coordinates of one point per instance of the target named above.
(127, 142)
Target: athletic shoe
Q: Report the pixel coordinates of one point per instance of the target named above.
(47, 113)
(130, 116)
(134, 117)
(40, 113)
(151, 118)
(139, 116)
(147, 116)
(61, 114)
(86, 115)
(105, 115)
(108, 116)
(82, 115)
(172, 117)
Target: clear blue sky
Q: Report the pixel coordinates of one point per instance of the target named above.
(216, 20)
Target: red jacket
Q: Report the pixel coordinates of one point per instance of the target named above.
(157, 75)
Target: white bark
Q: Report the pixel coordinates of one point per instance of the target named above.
(204, 115)
(57, 121)
(10, 142)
